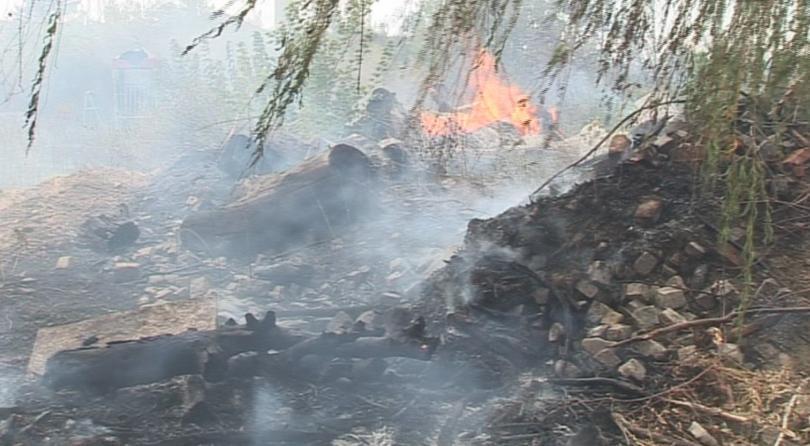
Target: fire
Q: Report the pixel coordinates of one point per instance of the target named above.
(494, 100)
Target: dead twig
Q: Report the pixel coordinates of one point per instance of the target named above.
(714, 411)
(788, 412)
(624, 424)
(624, 386)
(707, 322)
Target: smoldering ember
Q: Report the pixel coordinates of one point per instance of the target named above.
(386, 222)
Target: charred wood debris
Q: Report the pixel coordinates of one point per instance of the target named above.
(601, 315)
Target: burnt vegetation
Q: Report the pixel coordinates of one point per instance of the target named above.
(442, 249)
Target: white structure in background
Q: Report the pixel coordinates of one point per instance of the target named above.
(133, 82)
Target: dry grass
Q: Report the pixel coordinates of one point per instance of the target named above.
(714, 393)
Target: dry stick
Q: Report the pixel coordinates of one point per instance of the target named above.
(623, 424)
(602, 141)
(788, 411)
(708, 321)
(710, 411)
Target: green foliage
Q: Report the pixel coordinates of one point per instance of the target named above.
(36, 86)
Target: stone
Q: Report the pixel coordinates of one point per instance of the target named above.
(730, 253)
(649, 211)
(340, 323)
(652, 349)
(677, 260)
(63, 262)
(645, 264)
(601, 313)
(676, 282)
(669, 297)
(619, 145)
(695, 250)
(618, 332)
(637, 291)
(126, 272)
(699, 276)
(371, 320)
(595, 345)
(702, 435)
(608, 357)
(598, 331)
(646, 317)
(599, 271)
(668, 270)
(541, 295)
(556, 332)
(612, 317)
(731, 352)
(587, 289)
(565, 369)
(705, 301)
(724, 289)
(671, 317)
(633, 369)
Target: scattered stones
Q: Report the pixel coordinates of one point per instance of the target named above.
(649, 211)
(565, 369)
(695, 250)
(608, 358)
(702, 435)
(556, 332)
(671, 317)
(126, 272)
(670, 297)
(587, 289)
(652, 349)
(63, 262)
(633, 369)
(645, 263)
(595, 345)
(637, 291)
(618, 332)
(646, 317)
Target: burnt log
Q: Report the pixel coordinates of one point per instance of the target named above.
(142, 361)
(230, 351)
(308, 203)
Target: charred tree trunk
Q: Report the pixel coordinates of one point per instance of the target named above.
(307, 203)
(218, 354)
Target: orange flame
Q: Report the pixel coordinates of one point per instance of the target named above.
(494, 100)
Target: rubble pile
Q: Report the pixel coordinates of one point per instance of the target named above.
(639, 305)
